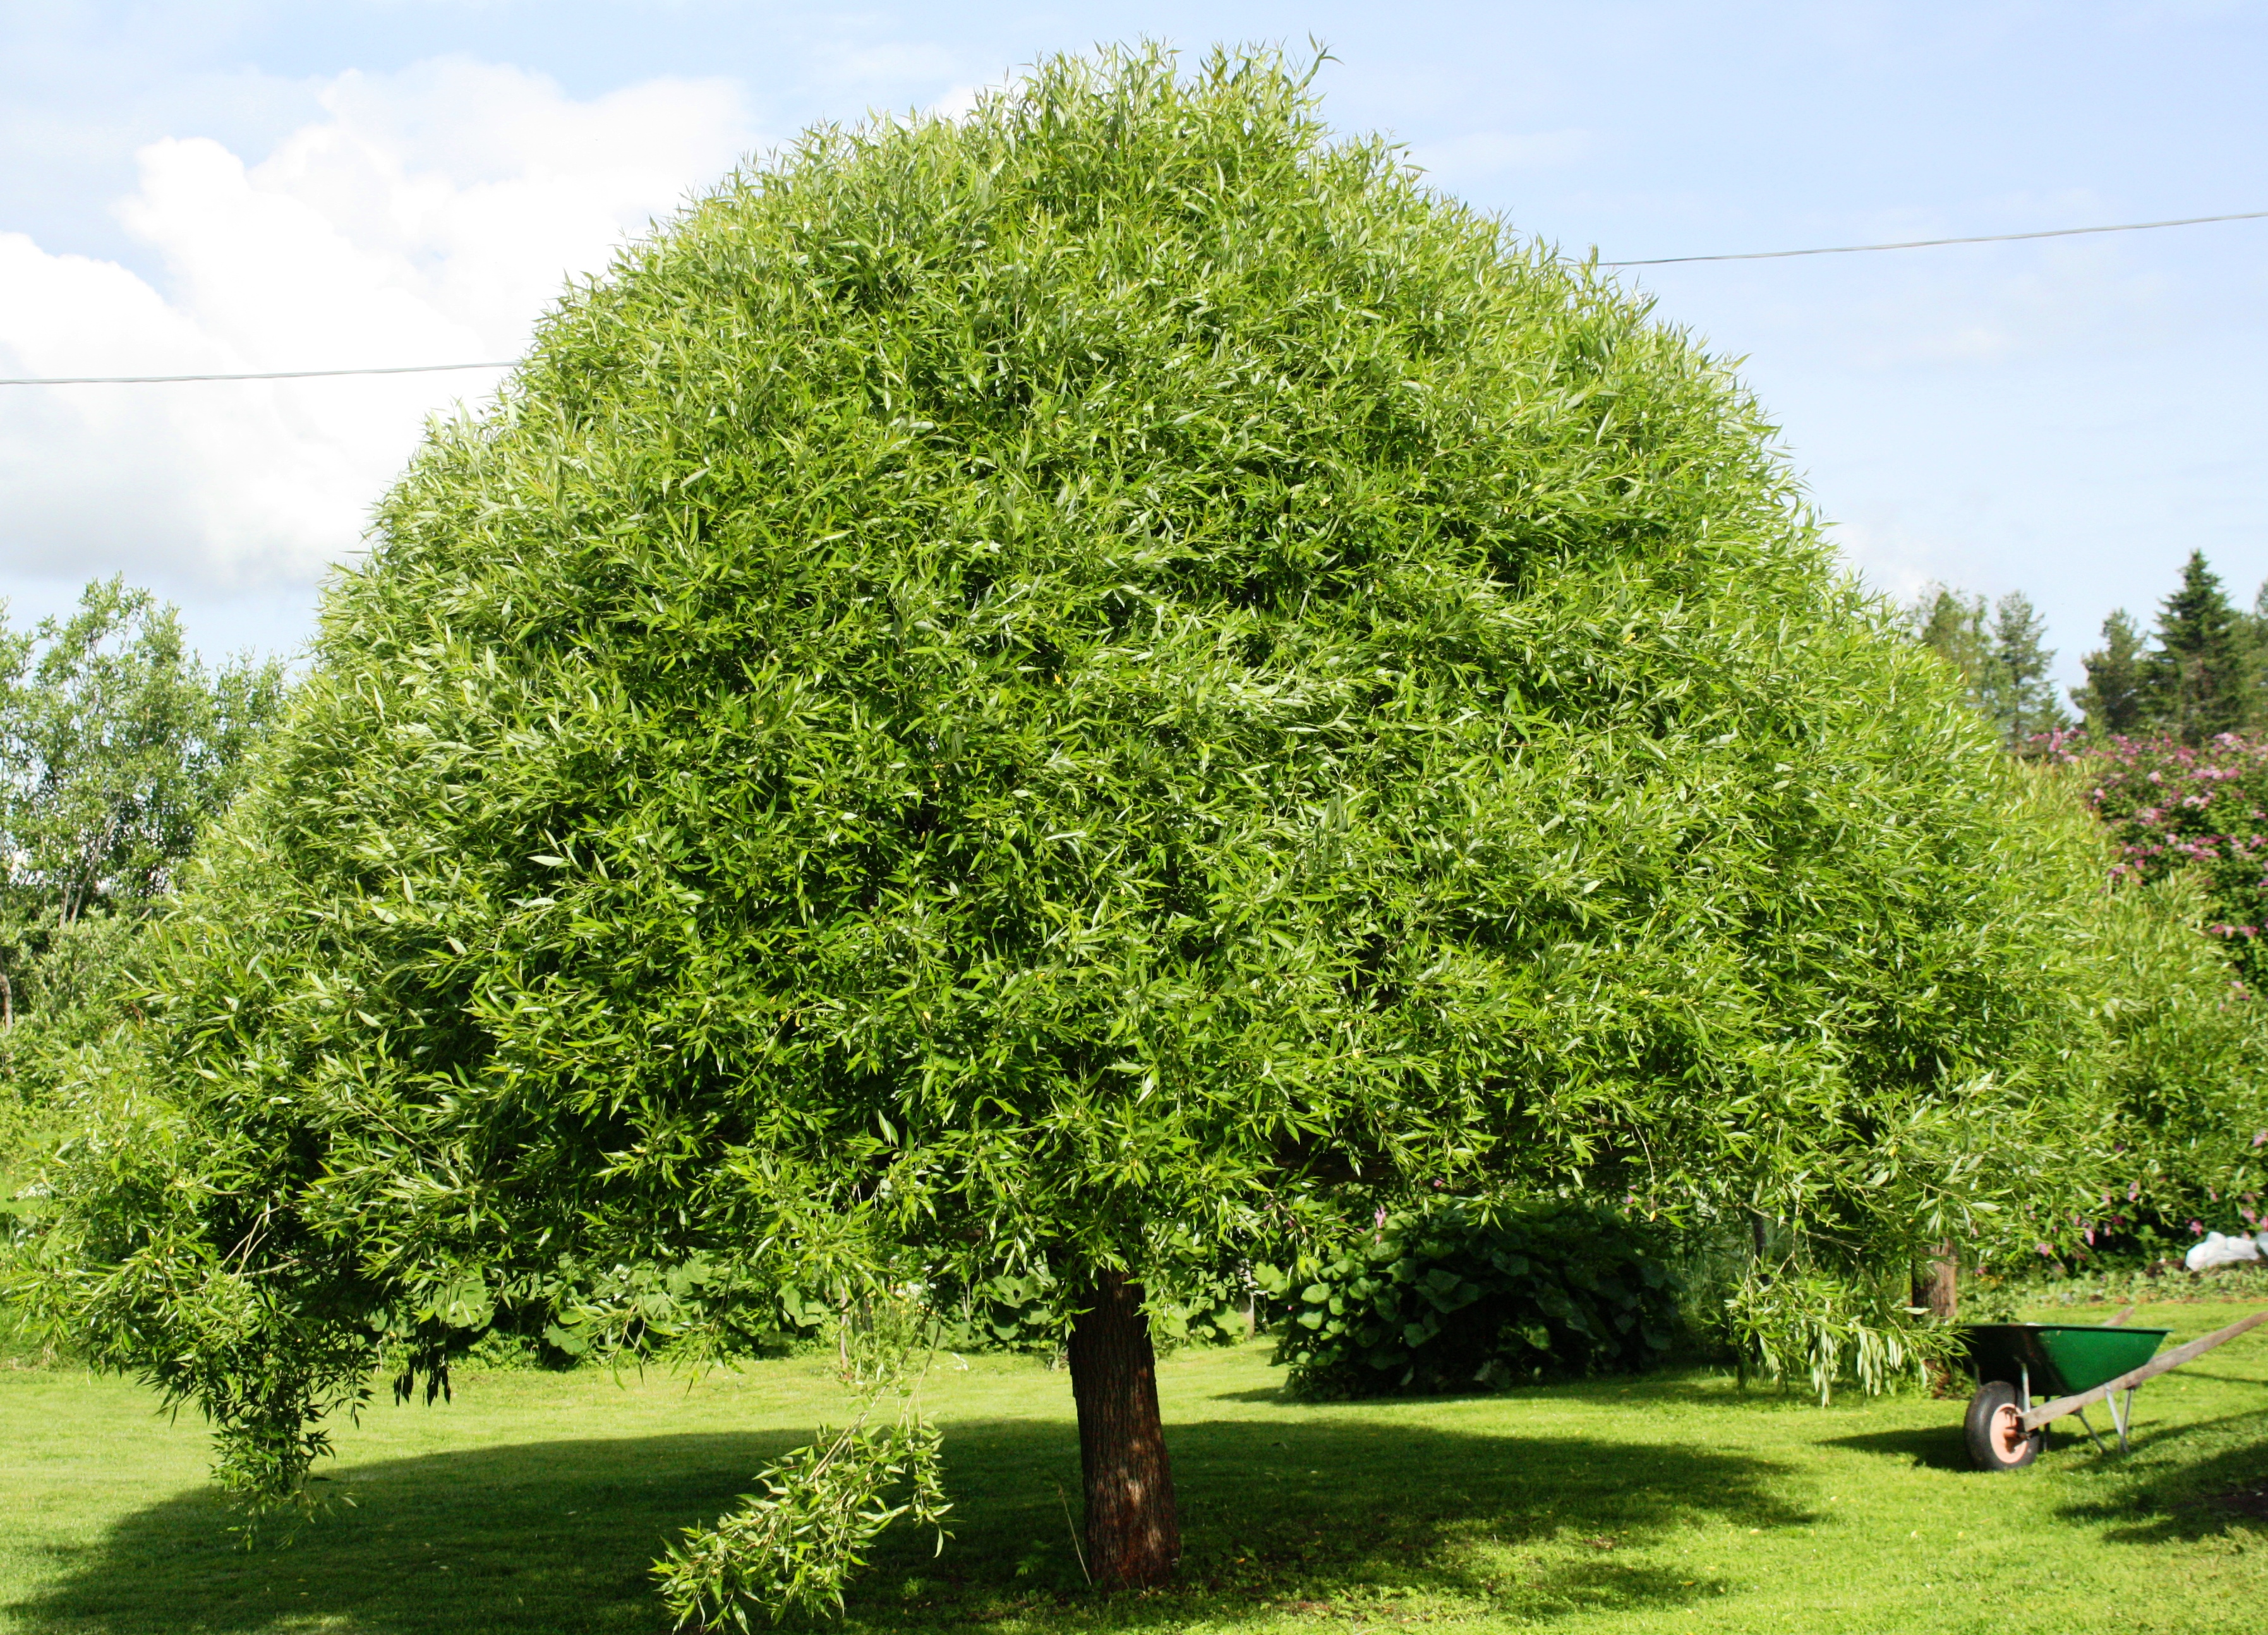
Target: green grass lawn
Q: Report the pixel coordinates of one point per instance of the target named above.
(535, 1501)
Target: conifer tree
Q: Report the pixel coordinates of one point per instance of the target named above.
(2198, 674)
(2255, 628)
(2018, 694)
(2115, 700)
(1999, 653)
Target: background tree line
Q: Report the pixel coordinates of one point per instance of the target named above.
(117, 745)
(2171, 758)
(2200, 672)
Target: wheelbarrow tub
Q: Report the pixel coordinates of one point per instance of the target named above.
(2063, 1359)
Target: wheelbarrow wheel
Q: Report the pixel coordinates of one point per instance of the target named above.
(1997, 1437)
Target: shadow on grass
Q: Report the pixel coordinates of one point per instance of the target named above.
(1699, 1387)
(2148, 1503)
(1929, 1447)
(559, 1536)
(1943, 1448)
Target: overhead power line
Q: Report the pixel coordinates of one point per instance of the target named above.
(273, 374)
(1651, 260)
(1931, 244)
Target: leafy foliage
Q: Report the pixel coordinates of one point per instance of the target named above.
(2204, 673)
(2114, 699)
(1450, 1295)
(794, 1545)
(1040, 693)
(1030, 1311)
(1796, 1321)
(2200, 812)
(2200, 674)
(2187, 1081)
(117, 745)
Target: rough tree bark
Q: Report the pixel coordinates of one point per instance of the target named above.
(1133, 1531)
(1938, 1286)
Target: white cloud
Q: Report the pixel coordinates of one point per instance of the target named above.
(1481, 154)
(1896, 561)
(427, 219)
(958, 103)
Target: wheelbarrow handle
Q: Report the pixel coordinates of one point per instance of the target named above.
(2035, 1417)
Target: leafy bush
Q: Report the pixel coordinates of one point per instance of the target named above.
(2180, 1077)
(2202, 811)
(2185, 1080)
(1452, 1295)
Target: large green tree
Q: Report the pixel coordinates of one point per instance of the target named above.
(2115, 700)
(2019, 690)
(2200, 672)
(2001, 656)
(1040, 691)
(117, 745)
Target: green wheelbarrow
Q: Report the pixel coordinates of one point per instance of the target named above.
(2072, 1367)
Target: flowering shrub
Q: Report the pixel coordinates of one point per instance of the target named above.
(2203, 811)
(2183, 1077)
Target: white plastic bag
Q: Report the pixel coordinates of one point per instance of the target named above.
(2216, 1250)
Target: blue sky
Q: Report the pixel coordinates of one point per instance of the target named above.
(265, 186)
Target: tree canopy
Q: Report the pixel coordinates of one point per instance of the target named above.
(2006, 666)
(1039, 690)
(117, 745)
(2205, 674)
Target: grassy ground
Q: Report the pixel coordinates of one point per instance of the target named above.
(535, 1501)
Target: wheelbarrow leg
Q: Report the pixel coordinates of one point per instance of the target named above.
(2122, 1420)
(2080, 1414)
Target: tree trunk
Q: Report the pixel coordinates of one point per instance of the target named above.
(1938, 1287)
(1133, 1531)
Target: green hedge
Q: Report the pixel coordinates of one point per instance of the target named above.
(1451, 1295)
